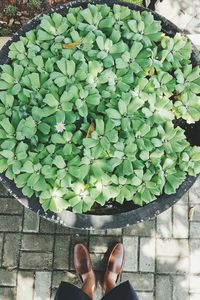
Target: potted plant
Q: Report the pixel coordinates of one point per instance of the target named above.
(95, 104)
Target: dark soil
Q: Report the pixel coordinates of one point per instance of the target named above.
(15, 13)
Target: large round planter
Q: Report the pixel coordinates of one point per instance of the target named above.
(127, 214)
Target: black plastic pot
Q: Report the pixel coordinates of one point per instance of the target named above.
(120, 216)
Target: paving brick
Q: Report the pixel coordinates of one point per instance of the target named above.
(25, 285)
(42, 286)
(97, 232)
(195, 284)
(1, 246)
(180, 288)
(11, 250)
(101, 244)
(10, 206)
(47, 226)
(172, 247)
(7, 278)
(37, 242)
(145, 295)
(196, 215)
(147, 255)
(163, 287)
(53, 293)
(194, 296)
(195, 230)
(36, 261)
(79, 232)
(10, 223)
(174, 265)
(117, 232)
(164, 224)
(194, 193)
(99, 261)
(195, 255)
(31, 221)
(63, 230)
(180, 221)
(141, 229)
(7, 293)
(99, 293)
(61, 252)
(140, 281)
(66, 276)
(131, 248)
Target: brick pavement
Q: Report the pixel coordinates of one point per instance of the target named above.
(162, 255)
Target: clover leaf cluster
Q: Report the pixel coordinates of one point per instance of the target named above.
(87, 111)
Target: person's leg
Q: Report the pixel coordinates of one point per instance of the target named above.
(69, 291)
(123, 291)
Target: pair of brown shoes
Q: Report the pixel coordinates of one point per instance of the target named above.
(83, 266)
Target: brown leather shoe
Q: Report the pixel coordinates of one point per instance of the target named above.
(83, 267)
(114, 267)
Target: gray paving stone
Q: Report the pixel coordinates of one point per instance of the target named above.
(79, 232)
(147, 255)
(195, 284)
(98, 261)
(141, 229)
(97, 232)
(195, 256)
(7, 293)
(42, 286)
(1, 246)
(47, 226)
(7, 278)
(101, 244)
(196, 215)
(172, 265)
(11, 250)
(164, 224)
(145, 295)
(66, 276)
(37, 242)
(163, 287)
(172, 247)
(195, 230)
(10, 223)
(36, 261)
(31, 221)
(180, 288)
(61, 252)
(10, 206)
(25, 285)
(99, 293)
(180, 221)
(140, 281)
(131, 257)
(117, 232)
(194, 296)
(194, 193)
(63, 230)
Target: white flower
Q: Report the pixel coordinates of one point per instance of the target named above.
(60, 127)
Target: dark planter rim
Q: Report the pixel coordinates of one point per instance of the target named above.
(89, 221)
